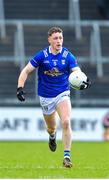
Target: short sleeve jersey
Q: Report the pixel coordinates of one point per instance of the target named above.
(53, 71)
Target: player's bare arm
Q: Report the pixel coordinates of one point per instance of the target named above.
(24, 74)
(22, 79)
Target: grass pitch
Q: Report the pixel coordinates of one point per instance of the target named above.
(34, 160)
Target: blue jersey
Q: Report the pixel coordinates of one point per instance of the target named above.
(53, 71)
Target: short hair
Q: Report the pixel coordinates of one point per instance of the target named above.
(54, 30)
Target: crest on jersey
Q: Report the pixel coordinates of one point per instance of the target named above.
(63, 61)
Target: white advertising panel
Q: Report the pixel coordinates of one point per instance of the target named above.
(28, 124)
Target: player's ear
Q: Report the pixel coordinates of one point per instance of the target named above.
(49, 39)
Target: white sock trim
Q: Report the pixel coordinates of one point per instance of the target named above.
(67, 157)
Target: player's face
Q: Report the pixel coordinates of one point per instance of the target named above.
(56, 41)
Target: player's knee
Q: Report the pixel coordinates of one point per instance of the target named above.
(66, 124)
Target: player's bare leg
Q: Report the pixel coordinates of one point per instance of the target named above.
(64, 111)
(106, 134)
(51, 128)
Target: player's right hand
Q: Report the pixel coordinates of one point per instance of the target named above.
(86, 84)
(20, 94)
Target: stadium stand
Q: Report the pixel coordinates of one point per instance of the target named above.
(9, 72)
(23, 9)
(35, 39)
(26, 9)
(105, 40)
(89, 10)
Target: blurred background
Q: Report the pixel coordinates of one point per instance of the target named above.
(23, 32)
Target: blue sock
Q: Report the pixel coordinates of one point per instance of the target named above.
(67, 154)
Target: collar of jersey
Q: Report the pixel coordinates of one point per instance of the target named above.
(52, 53)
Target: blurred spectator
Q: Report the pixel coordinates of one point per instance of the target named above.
(103, 7)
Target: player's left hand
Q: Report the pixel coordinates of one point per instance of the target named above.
(20, 94)
(85, 85)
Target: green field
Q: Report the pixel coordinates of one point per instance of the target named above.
(34, 160)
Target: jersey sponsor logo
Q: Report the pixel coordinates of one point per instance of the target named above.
(53, 72)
